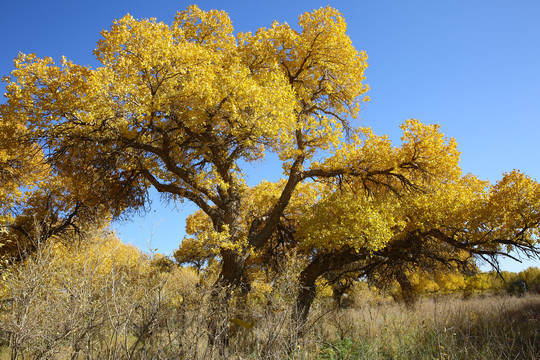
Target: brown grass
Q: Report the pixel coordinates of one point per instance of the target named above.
(495, 327)
(131, 312)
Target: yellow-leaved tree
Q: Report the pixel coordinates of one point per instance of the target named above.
(36, 201)
(440, 225)
(182, 107)
(179, 107)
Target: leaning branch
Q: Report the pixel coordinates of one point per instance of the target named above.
(177, 190)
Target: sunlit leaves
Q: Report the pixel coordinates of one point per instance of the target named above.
(346, 220)
(516, 200)
(178, 106)
(182, 107)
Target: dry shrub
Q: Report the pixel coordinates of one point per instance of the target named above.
(97, 299)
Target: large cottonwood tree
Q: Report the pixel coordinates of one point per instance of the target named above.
(338, 232)
(182, 107)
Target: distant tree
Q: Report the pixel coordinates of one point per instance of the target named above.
(531, 276)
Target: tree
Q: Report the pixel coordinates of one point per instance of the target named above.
(36, 203)
(182, 107)
(440, 230)
(449, 225)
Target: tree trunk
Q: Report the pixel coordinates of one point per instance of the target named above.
(407, 291)
(232, 268)
(305, 298)
(319, 265)
(307, 292)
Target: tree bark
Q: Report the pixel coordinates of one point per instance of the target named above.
(306, 293)
(319, 265)
(233, 264)
(407, 291)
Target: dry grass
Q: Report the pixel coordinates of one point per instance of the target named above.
(496, 327)
(128, 313)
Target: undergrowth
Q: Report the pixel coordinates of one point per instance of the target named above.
(115, 304)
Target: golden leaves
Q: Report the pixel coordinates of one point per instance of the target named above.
(213, 28)
(171, 98)
(344, 220)
(515, 200)
(180, 107)
(105, 256)
(425, 147)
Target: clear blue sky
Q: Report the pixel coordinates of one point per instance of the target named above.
(471, 66)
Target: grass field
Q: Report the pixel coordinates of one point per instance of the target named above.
(126, 310)
(444, 328)
(488, 327)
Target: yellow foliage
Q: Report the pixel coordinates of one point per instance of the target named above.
(100, 265)
(180, 286)
(181, 107)
(104, 257)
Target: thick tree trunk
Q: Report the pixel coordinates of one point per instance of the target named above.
(319, 265)
(232, 268)
(407, 291)
(234, 261)
(233, 265)
(305, 298)
(308, 290)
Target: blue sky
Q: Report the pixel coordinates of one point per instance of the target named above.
(471, 66)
